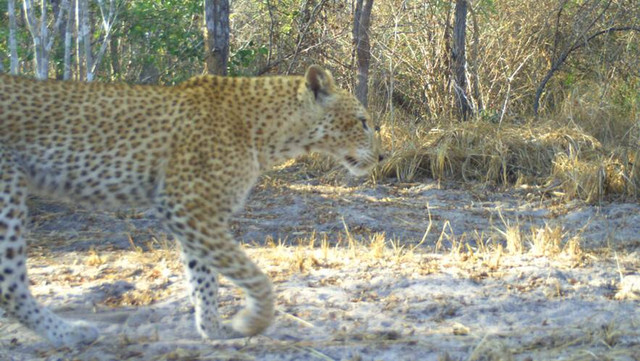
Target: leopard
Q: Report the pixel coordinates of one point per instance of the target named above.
(190, 152)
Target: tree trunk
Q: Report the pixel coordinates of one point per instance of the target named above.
(459, 61)
(86, 38)
(361, 30)
(216, 36)
(40, 70)
(475, 78)
(59, 7)
(107, 26)
(13, 45)
(113, 57)
(44, 37)
(79, 52)
(357, 12)
(68, 38)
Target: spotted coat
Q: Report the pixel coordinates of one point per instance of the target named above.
(192, 152)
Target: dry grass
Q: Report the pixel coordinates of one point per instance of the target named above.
(479, 253)
(563, 160)
(315, 252)
(476, 256)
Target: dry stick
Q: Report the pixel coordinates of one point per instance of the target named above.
(275, 63)
(315, 353)
(618, 265)
(509, 80)
(426, 232)
(305, 31)
(298, 319)
(564, 55)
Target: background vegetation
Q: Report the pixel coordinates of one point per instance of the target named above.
(554, 84)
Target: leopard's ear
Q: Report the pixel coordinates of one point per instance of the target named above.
(319, 81)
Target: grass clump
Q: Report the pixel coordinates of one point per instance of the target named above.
(561, 159)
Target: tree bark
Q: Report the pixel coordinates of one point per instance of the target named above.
(13, 45)
(357, 12)
(114, 56)
(475, 78)
(107, 25)
(36, 36)
(79, 53)
(42, 38)
(68, 38)
(216, 36)
(60, 27)
(85, 35)
(362, 20)
(459, 60)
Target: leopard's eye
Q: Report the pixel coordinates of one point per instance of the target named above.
(364, 123)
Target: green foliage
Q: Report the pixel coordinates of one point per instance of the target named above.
(243, 61)
(4, 35)
(164, 37)
(485, 7)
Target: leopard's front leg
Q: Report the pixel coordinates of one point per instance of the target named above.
(208, 249)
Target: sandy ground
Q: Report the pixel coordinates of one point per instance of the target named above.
(363, 272)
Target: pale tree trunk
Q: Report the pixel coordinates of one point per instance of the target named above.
(41, 71)
(60, 7)
(68, 40)
(87, 64)
(362, 19)
(113, 56)
(108, 18)
(42, 37)
(85, 34)
(13, 45)
(57, 28)
(216, 36)
(79, 53)
(459, 59)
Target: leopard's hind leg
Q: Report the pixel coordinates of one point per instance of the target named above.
(15, 297)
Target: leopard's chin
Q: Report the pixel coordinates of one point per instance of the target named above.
(356, 167)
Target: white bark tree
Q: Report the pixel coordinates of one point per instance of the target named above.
(68, 40)
(13, 45)
(87, 62)
(84, 35)
(42, 38)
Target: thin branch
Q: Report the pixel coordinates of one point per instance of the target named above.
(63, 6)
(602, 32)
(565, 54)
(303, 34)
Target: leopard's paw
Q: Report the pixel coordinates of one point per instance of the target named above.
(72, 334)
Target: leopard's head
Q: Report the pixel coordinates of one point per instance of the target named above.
(344, 129)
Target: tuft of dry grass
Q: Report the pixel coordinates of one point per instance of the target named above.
(563, 159)
(483, 151)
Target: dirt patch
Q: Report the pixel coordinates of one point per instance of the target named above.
(363, 272)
